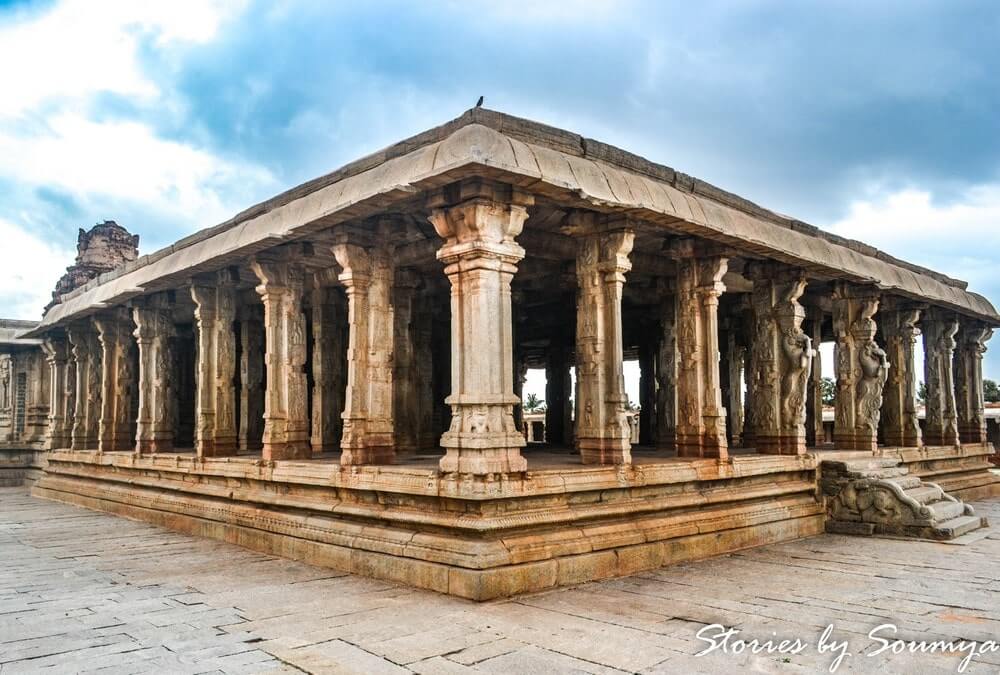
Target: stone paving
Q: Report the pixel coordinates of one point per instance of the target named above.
(87, 592)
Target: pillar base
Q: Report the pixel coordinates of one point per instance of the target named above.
(604, 451)
(218, 449)
(932, 438)
(861, 441)
(273, 451)
(700, 446)
(483, 453)
(972, 434)
(780, 445)
(372, 454)
(902, 441)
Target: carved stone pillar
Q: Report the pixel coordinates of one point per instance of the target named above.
(647, 386)
(215, 313)
(286, 416)
(900, 425)
(734, 361)
(666, 374)
(423, 360)
(86, 416)
(969, 394)
(252, 378)
(117, 380)
(154, 333)
(558, 384)
(862, 368)
(815, 433)
(369, 436)
(406, 408)
(57, 354)
(940, 419)
(328, 380)
(603, 433)
(781, 359)
(478, 222)
(701, 423)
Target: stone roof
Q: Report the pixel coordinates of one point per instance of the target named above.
(549, 161)
(10, 331)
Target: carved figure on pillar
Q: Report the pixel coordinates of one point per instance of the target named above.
(367, 276)
(969, 395)
(60, 416)
(862, 368)
(116, 343)
(900, 424)
(478, 221)
(781, 360)
(87, 396)
(157, 393)
(940, 418)
(701, 423)
(603, 246)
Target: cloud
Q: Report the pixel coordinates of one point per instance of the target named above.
(29, 268)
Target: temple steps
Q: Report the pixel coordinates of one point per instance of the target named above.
(869, 496)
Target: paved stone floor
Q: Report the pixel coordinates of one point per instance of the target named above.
(88, 592)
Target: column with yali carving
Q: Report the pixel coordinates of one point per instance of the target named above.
(968, 366)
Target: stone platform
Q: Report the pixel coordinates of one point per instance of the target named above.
(563, 523)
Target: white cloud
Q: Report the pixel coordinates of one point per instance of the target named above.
(29, 268)
(80, 48)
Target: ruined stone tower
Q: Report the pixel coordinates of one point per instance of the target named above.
(105, 247)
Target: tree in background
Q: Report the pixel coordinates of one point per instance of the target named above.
(922, 393)
(828, 390)
(991, 391)
(533, 404)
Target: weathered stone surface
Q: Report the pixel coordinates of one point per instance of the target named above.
(941, 417)
(900, 426)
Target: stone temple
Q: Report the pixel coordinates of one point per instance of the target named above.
(334, 375)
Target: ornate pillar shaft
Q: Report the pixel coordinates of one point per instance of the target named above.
(117, 381)
(781, 357)
(286, 420)
(666, 374)
(862, 368)
(251, 426)
(87, 396)
(326, 362)
(647, 386)
(406, 409)
(603, 433)
(940, 419)
(423, 357)
(815, 433)
(734, 361)
(154, 332)
(60, 417)
(215, 314)
(701, 424)
(969, 394)
(478, 222)
(367, 276)
(900, 425)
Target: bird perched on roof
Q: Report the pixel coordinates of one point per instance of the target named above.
(479, 103)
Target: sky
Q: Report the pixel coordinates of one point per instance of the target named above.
(874, 122)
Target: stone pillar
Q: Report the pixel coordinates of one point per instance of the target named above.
(406, 408)
(900, 425)
(86, 416)
(520, 377)
(328, 380)
(286, 417)
(479, 222)
(701, 423)
(369, 436)
(118, 378)
(815, 433)
(215, 314)
(969, 394)
(647, 386)
(602, 260)
(57, 354)
(734, 362)
(558, 384)
(862, 368)
(252, 378)
(423, 360)
(666, 374)
(781, 358)
(154, 334)
(940, 419)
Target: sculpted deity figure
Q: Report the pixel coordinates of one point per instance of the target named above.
(874, 368)
(797, 352)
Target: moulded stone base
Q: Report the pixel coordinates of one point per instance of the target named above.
(483, 453)
(962, 471)
(474, 538)
(700, 446)
(218, 449)
(780, 445)
(273, 451)
(855, 441)
(604, 450)
(368, 455)
(902, 440)
(972, 433)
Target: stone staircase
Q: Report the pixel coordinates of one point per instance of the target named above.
(875, 495)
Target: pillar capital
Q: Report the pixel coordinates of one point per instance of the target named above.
(479, 219)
